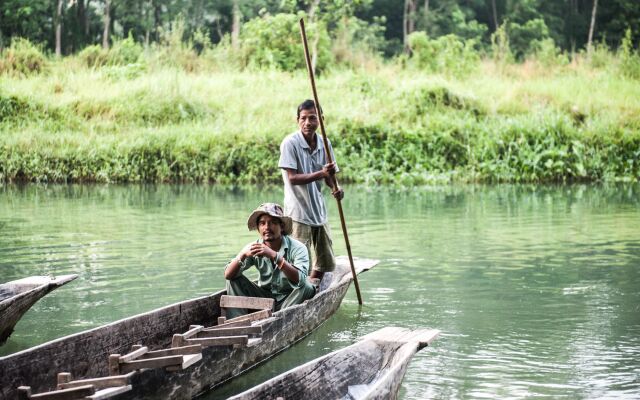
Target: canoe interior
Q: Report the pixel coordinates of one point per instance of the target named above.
(85, 354)
(334, 376)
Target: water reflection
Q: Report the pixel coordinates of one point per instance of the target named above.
(536, 288)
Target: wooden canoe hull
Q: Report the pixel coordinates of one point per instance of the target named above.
(370, 369)
(85, 354)
(18, 297)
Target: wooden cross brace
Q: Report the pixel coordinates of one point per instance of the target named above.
(174, 359)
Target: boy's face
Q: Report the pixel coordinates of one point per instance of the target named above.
(308, 121)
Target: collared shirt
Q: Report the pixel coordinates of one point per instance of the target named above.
(303, 203)
(273, 279)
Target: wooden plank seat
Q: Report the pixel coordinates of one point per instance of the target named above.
(174, 359)
(81, 392)
(236, 335)
(264, 307)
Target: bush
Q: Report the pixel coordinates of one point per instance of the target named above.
(547, 54)
(274, 42)
(500, 48)
(629, 58)
(123, 52)
(523, 36)
(13, 107)
(359, 43)
(601, 56)
(94, 56)
(22, 58)
(447, 54)
(172, 51)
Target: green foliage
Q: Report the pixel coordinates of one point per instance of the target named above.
(94, 56)
(462, 27)
(424, 100)
(629, 58)
(547, 54)
(601, 57)
(274, 42)
(123, 52)
(500, 48)
(12, 107)
(358, 42)
(522, 37)
(447, 54)
(28, 19)
(128, 71)
(173, 51)
(394, 126)
(22, 58)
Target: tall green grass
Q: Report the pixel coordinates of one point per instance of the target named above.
(145, 122)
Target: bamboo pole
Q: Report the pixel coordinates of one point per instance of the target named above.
(328, 156)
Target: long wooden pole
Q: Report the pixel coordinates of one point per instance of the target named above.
(328, 156)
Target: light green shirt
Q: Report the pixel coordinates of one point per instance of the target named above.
(271, 278)
(303, 203)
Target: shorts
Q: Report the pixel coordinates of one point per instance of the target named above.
(319, 243)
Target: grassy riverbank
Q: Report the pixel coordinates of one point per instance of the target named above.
(521, 123)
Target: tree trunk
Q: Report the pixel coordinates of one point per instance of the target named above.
(494, 11)
(592, 26)
(314, 45)
(87, 30)
(80, 11)
(408, 22)
(413, 5)
(147, 22)
(405, 18)
(425, 10)
(59, 29)
(312, 9)
(107, 24)
(156, 20)
(235, 27)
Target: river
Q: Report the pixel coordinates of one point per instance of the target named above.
(536, 289)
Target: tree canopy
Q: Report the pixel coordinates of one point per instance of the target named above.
(68, 26)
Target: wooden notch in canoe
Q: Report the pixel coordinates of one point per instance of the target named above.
(82, 392)
(231, 331)
(238, 341)
(174, 359)
(65, 381)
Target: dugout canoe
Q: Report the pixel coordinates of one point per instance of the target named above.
(373, 368)
(86, 354)
(17, 297)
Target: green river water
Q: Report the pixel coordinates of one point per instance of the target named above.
(536, 289)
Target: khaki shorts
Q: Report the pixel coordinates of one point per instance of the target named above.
(318, 242)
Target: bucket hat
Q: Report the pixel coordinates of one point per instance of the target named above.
(274, 210)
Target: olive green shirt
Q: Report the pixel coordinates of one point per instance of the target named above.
(271, 278)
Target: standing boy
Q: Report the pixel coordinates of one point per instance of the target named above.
(304, 166)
